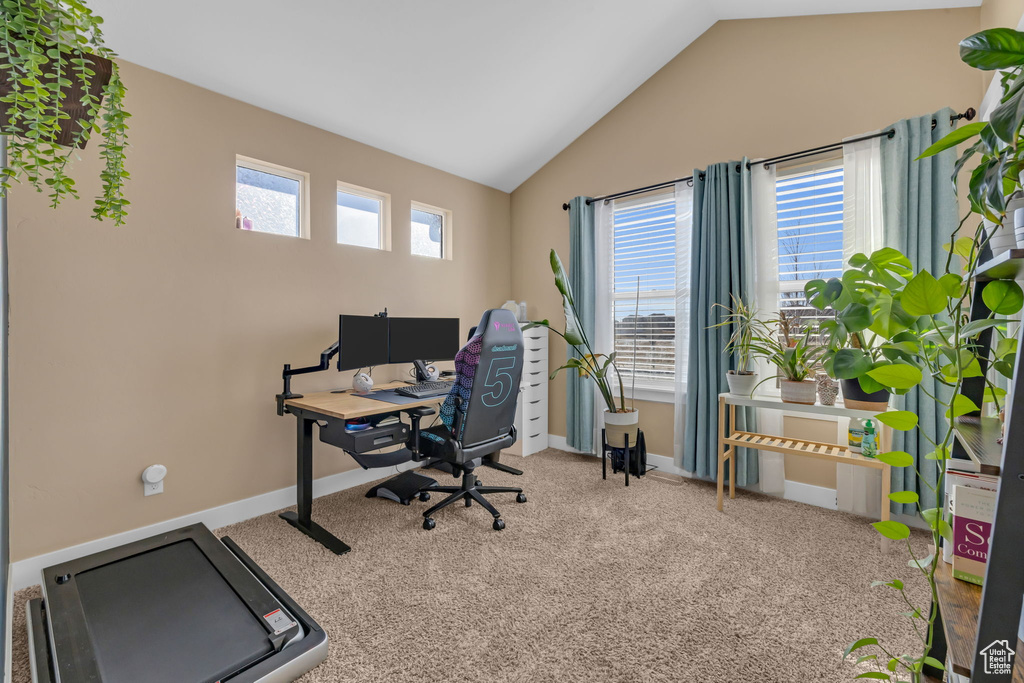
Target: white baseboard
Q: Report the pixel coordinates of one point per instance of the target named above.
(812, 495)
(25, 573)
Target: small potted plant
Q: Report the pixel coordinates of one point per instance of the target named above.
(795, 357)
(599, 367)
(743, 319)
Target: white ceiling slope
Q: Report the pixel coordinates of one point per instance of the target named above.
(489, 91)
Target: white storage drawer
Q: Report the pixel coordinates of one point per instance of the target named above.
(532, 408)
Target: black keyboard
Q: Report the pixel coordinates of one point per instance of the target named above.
(425, 389)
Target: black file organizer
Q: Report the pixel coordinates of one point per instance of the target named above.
(633, 457)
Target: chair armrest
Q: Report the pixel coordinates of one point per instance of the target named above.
(420, 411)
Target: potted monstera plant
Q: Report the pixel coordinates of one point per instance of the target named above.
(59, 86)
(874, 341)
(619, 418)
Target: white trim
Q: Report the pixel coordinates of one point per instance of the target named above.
(285, 172)
(383, 220)
(25, 573)
(446, 227)
(810, 494)
(666, 394)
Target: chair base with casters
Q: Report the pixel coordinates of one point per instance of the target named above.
(471, 490)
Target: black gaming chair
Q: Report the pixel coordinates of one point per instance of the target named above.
(478, 414)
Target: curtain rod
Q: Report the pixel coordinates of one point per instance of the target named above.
(969, 115)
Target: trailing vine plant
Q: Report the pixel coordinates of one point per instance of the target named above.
(49, 93)
(940, 340)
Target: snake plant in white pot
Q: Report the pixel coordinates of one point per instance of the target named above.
(599, 367)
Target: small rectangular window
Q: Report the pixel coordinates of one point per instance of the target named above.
(271, 198)
(363, 217)
(431, 231)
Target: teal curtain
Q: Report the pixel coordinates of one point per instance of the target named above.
(919, 213)
(721, 265)
(579, 391)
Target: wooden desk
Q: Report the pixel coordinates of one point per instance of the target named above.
(327, 406)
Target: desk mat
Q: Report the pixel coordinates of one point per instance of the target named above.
(390, 396)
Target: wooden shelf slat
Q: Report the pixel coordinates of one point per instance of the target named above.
(959, 604)
(1009, 265)
(978, 436)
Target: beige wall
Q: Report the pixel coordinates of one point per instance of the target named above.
(162, 341)
(999, 13)
(757, 88)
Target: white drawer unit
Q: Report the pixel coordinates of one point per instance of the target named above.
(532, 410)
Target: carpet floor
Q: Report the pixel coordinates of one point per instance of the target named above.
(590, 581)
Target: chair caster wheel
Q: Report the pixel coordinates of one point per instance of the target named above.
(521, 498)
(469, 502)
(424, 496)
(429, 523)
(498, 525)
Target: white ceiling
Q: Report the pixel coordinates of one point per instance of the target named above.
(486, 90)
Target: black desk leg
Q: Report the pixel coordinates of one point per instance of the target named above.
(303, 518)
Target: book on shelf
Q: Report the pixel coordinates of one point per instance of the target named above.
(955, 478)
(973, 512)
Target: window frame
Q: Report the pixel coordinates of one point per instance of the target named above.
(270, 168)
(384, 226)
(446, 229)
(662, 391)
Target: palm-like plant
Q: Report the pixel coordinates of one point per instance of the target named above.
(745, 323)
(597, 366)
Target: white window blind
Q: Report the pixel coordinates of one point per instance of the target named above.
(644, 239)
(809, 200)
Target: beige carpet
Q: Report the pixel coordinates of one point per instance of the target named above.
(590, 581)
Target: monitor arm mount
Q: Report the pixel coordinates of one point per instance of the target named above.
(325, 363)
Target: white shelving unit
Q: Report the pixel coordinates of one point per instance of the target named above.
(532, 411)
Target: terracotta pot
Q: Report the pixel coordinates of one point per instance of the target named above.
(741, 385)
(804, 392)
(618, 425)
(856, 398)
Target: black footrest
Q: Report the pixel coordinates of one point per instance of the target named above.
(402, 488)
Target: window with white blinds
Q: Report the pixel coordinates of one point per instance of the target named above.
(644, 234)
(809, 200)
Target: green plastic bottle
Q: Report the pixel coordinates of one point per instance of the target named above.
(869, 447)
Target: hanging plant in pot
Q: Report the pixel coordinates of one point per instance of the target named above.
(599, 367)
(743, 320)
(794, 356)
(874, 342)
(59, 86)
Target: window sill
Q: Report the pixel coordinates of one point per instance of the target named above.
(654, 394)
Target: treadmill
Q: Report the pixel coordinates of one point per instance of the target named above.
(179, 607)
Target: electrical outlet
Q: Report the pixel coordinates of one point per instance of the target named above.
(153, 489)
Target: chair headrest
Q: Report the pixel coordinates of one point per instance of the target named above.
(499, 326)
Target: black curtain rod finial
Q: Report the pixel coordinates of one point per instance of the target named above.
(565, 207)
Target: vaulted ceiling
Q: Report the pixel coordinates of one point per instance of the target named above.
(486, 90)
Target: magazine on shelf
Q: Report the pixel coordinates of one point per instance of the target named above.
(973, 512)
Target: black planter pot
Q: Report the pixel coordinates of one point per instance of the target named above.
(853, 392)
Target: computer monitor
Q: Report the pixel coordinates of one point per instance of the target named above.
(426, 339)
(362, 341)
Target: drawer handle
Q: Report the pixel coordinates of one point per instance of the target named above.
(535, 385)
(533, 403)
(536, 349)
(535, 361)
(534, 436)
(534, 419)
